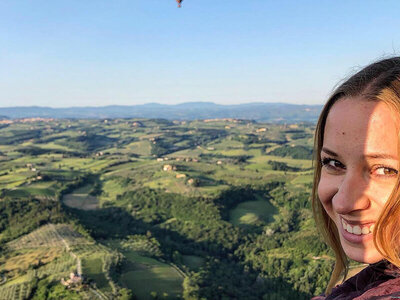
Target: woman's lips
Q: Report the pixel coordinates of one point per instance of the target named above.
(356, 232)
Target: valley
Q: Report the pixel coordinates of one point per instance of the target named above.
(158, 209)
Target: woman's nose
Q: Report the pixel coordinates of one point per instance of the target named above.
(351, 194)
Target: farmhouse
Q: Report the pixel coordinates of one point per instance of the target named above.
(73, 281)
(169, 168)
(137, 124)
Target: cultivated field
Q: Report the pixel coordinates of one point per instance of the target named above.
(158, 209)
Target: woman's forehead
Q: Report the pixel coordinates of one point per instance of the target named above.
(360, 125)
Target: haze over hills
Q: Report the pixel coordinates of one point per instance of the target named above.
(266, 112)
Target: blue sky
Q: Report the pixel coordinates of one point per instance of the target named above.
(94, 53)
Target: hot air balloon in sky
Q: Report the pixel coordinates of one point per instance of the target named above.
(179, 2)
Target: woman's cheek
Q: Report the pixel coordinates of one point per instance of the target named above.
(380, 193)
(326, 191)
(323, 190)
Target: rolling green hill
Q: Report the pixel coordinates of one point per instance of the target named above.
(158, 209)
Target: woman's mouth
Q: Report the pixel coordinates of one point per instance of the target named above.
(356, 232)
(362, 229)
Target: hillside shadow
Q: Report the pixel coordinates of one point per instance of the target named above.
(222, 276)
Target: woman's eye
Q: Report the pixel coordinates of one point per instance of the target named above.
(332, 163)
(385, 171)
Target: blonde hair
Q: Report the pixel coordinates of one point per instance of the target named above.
(379, 81)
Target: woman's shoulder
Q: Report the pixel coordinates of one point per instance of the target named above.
(377, 281)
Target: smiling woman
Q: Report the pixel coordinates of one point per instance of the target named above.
(356, 183)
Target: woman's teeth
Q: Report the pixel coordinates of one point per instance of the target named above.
(358, 230)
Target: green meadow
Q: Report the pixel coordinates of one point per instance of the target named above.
(252, 213)
(146, 275)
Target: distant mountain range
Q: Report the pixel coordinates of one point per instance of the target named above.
(267, 112)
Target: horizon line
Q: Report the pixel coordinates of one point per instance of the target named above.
(156, 103)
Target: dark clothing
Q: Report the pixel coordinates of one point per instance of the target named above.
(377, 281)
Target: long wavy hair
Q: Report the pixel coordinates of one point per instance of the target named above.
(379, 81)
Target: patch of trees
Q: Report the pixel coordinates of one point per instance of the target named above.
(17, 136)
(285, 235)
(143, 244)
(21, 216)
(206, 135)
(161, 147)
(62, 176)
(3, 125)
(47, 289)
(167, 143)
(118, 162)
(234, 159)
(281, 166)
(33, 150)
(88, 142)
(300, 135)
(48, 139)
(296, 152)
(249, 139)
(161, 122)
(239, 263)
(291, 200)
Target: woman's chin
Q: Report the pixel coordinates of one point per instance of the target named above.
(366, 256)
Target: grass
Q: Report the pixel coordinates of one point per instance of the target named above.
(303, 179)
(187, 153)
(46, 236)
(252, 212)
(83, 189)
(29, 258)
(144, 275)
(87, 164)
(17, 280)
(137, 258)
(226, 143)
(142, 148)
(238, 152)
(80, 199)
(159, 279)
(13, 180)
(85, 202)
(238, 175)
(261, 161)
(43, 184)
(52, 145)
(27, 191)
(92, 267)
(111, 188)
(169, 182)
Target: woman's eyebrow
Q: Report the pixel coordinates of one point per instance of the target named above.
(330, 152)
(381, 156)
(370, 155)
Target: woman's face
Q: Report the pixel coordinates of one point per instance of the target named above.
(359, 170)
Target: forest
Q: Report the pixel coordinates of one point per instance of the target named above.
(158, 209)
